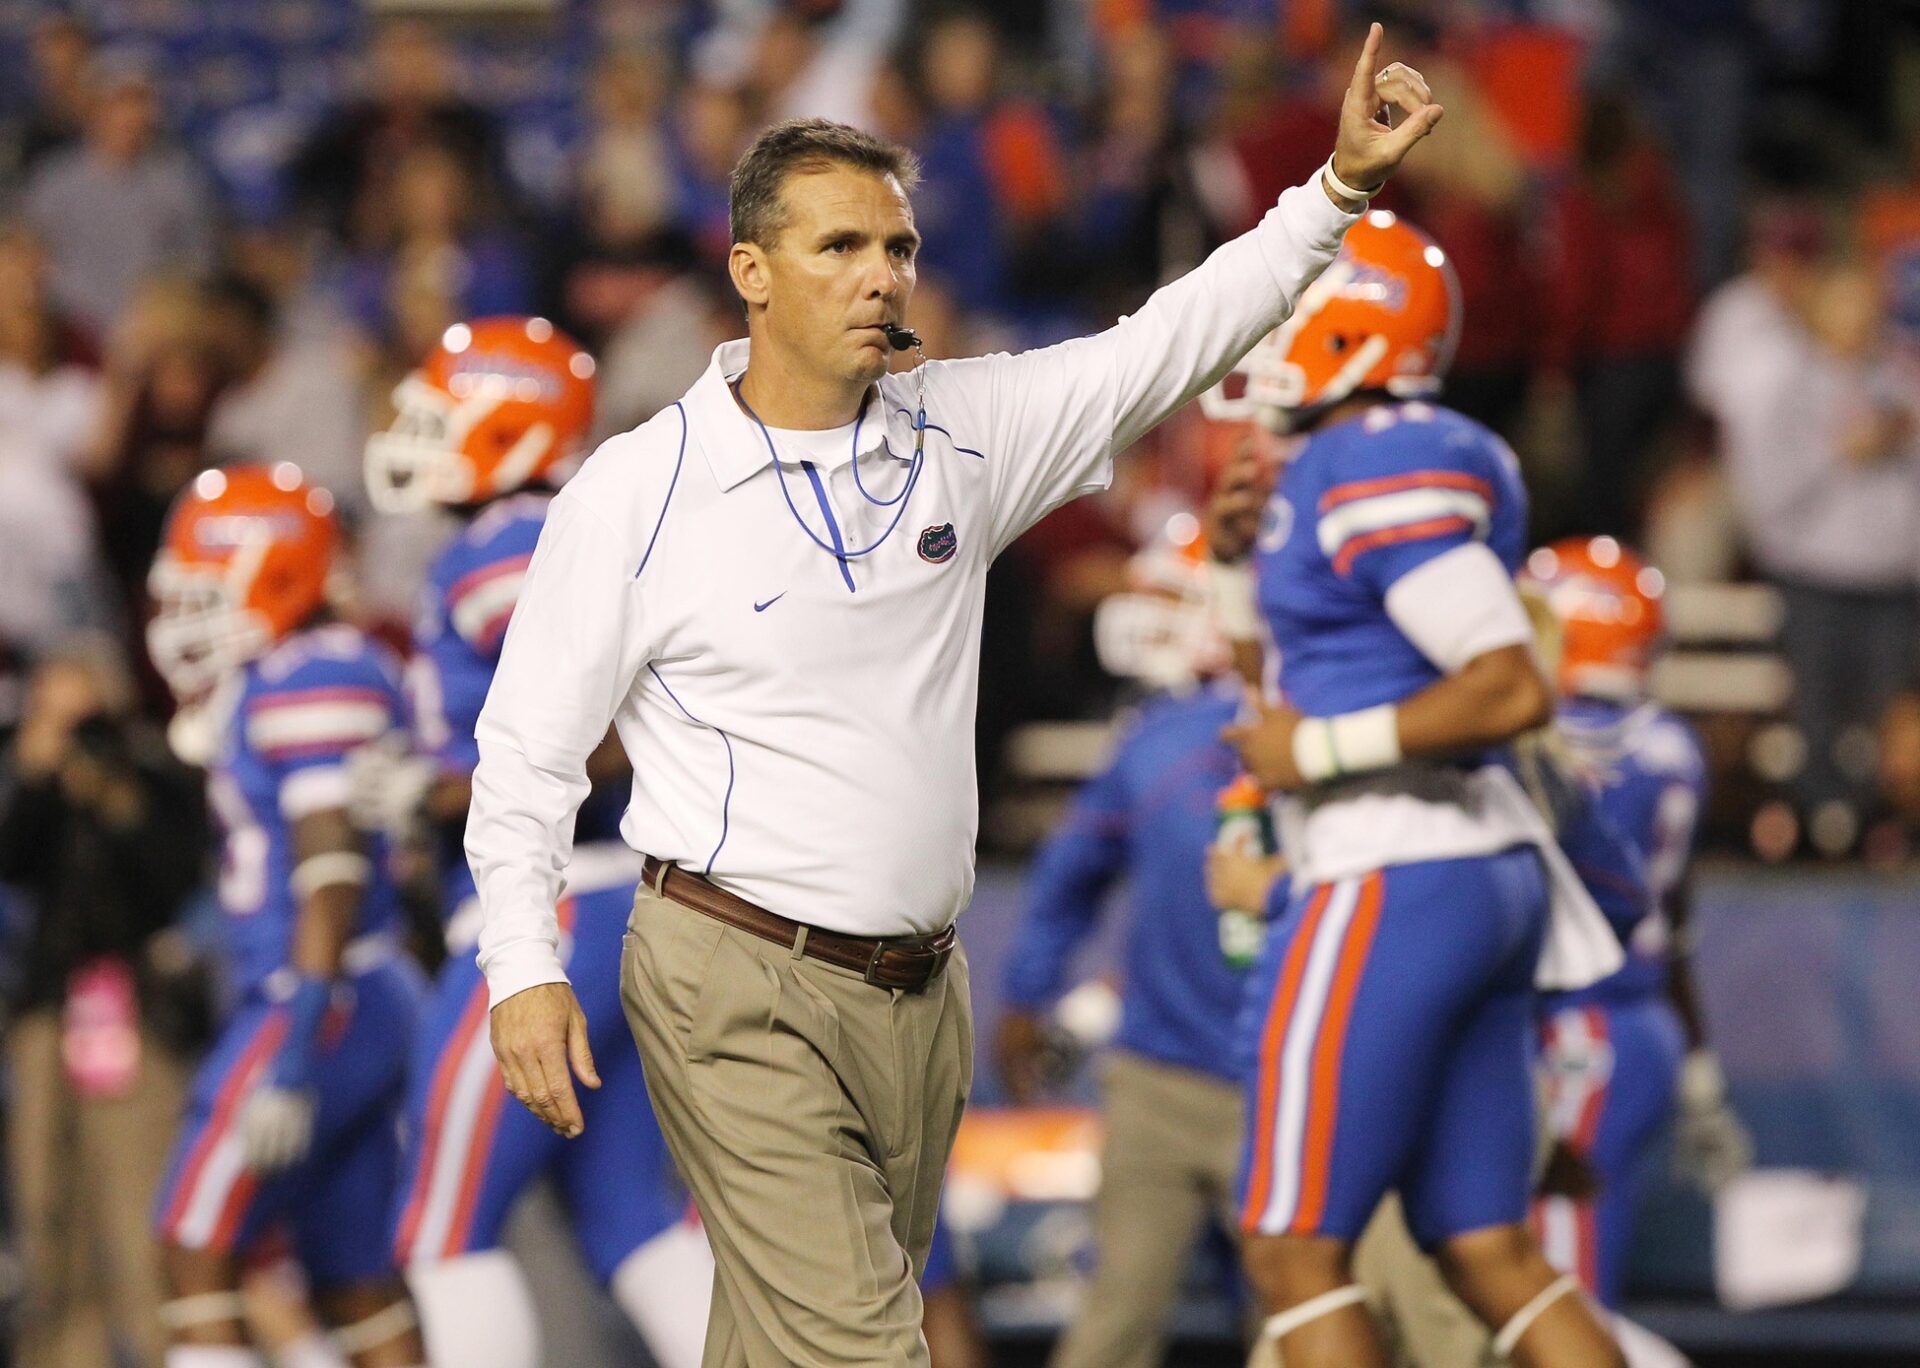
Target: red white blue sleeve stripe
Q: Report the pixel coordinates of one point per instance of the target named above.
(481, 603)
(1362, 515)
(304, 723)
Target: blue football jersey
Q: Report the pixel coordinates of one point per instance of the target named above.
(1148, 818)
(464, 609)
(465, 605)
(1646, 767)
(300, 709)
(1364, 502)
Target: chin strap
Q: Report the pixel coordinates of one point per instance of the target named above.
(1312, 1309)
(1523, 1319)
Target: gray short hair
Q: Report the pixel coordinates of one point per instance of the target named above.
(799, 147)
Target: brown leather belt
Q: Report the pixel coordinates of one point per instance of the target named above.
(905, 962)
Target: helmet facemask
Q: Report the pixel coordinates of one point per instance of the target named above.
(421, 460)
(1159, 640)
(202, 629)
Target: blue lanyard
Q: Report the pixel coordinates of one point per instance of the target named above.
(835, 549)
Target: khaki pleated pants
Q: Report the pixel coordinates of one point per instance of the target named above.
(1168, 1165)
(811, 1114)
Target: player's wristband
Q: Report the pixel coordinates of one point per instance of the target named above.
(327, 869)
(1351, 743)
(1345, 191)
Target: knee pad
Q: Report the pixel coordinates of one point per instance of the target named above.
(1312, 1309)
(476, 1311)
(388, 1323)
(665, 1287)
(1509, 1334)
(205, 1308)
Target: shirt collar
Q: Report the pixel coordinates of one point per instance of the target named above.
(735, 446)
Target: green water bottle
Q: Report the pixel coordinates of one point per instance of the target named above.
(1244, 825)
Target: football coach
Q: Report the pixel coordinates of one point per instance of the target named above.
(773, 590)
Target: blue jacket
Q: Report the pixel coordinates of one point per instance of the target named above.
(1148, 817)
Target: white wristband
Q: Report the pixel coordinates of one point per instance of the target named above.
(1232, 597)
(1352, 743)
(1313, 750)
(1345, 191)
(324, 871)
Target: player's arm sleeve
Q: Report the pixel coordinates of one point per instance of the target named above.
(1415, 488)
(1069, 880)
(305, 727)
(1676, 895)
(480, 603)
(1056, 416)
(1458, 605)
(570, 657)
(1676, 813)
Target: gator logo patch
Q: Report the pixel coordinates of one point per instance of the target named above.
(938, 544)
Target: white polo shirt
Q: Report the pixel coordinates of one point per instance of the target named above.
(790, 651)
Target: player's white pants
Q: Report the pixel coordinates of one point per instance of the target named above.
(476, 1311)
(665, 1287)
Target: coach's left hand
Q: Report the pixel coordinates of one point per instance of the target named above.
(1386, 111)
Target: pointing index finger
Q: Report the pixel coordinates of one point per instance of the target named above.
(1361, 86)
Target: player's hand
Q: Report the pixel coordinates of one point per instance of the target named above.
(276, 1127)
(1019, 1051)
(388, 784)
(1265, 743)
(1386, 111)
(1710, 1145)
(540, 1038)
(1240, 882)
(1239, 495)
(276, 1120)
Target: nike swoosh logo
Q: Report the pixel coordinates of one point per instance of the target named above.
(762, 607)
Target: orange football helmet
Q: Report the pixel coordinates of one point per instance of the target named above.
(496, 405)
(1385, 315)
(243, 562)
(1160, 631)
(1608, 603)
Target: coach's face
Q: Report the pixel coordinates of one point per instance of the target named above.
(841, 265)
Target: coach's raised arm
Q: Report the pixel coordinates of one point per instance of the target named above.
(1189, 332)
